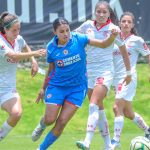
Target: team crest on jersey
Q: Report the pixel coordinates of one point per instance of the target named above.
(105, 33)
(60, 63)
(2, 46)
(65, 52)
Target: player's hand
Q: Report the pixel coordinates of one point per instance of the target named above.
(114, 33)
(40, 96)
(40, 52)
(34, 68)
(127, 79)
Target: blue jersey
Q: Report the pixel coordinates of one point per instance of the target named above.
(70, 61)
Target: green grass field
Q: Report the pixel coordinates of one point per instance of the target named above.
(20, 137)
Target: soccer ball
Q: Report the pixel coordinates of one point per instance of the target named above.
(140, 143)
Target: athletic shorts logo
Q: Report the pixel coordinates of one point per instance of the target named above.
(100, 80)
(49, 96)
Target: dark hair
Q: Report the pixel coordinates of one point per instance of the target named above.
(112, 14)
(59, 21)
(6, 20)
(133, 30)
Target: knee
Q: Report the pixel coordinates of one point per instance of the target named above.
(115, 109)
(61, 123)
(16, 115)
(129, 116)
(48, 120)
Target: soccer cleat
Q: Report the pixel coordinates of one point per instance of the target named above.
(81, 145)
(147, 133)
(1, 134)
(114, 144)
(36, 134)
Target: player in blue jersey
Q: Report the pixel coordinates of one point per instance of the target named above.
(65, 84)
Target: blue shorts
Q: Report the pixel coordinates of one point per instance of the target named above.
(58, 95)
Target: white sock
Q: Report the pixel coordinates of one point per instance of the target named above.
(118, 125)
(139, 121)
(92, 123)
(5, 129)
(103, 128)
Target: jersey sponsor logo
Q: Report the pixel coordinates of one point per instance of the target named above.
(69, 60)
(60, 63)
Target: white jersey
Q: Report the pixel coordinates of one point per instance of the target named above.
(7, 66)
(99, 59)
(135, 45)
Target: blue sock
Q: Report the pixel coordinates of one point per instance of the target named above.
(49, 140)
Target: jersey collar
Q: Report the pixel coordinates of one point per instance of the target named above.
(108, 22)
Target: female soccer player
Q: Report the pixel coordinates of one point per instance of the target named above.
(11, 45)
(100, 71)
(124, 94)
(66, 78)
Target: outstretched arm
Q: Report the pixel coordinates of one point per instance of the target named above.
(104, 43)
(127, 63)
(16, 56)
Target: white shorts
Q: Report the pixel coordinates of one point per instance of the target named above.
(105, 78)
(7, 95)
(123, 91)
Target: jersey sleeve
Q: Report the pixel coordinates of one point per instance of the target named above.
(3, 49)
(83, 39)
(119, 41)
(82, 28)
(21, 42)
(49, 53)
(142, 47)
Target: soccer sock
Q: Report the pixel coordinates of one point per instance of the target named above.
(92, 123)
(49, 140)
(103, 128)
(43, 126)
(138, 120)
(5, 129)
(118, 125)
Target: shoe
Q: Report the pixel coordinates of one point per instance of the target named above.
(81, 145)
(36, 134)
(1, 134)
(147, 134)
(114, 144)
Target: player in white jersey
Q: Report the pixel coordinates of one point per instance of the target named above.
(100, 71)
(11, 45)
(124, 94)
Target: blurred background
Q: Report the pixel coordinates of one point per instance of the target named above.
(37, 16)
